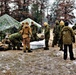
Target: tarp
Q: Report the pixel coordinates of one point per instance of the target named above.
(37, 44)
(29, 21)
(7, 22)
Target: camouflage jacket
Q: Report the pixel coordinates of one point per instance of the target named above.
(26, 31)
(56, 29)
(69, 37)
(15, 36)
(34, 29)
(47, 32)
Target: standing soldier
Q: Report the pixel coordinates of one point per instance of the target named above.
(68, 38)
(26, 34)
(60, 43)
(56, 33)
(34, 29)
(47, 35)
(20, 28)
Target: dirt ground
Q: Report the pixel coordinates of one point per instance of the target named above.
(39, 62)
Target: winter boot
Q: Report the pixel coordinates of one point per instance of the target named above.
(29, 51)
(24, 51)
(72, 58)
(46, 48)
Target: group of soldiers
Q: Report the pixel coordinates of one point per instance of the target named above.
(14, 40)
(27, 33)
(56, 33)
(30, 32)
(64, 37)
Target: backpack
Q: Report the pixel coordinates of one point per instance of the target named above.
(67, 38)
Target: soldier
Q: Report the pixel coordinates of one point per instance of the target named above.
(60, 43)
(34, 29)
(26, 35)
(56, 33)
(68, 38)
(47, 35)
(15, 40)
(20, 28)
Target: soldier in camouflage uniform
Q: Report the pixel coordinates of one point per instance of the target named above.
(60, 43)
(47, 35)
(68, 37)
(56, 33)
(26, 35)
(34, 29)
(15, 40)
(20, 28)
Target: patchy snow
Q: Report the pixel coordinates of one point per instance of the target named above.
(74, 62)
(39, 62)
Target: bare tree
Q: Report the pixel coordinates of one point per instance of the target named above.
(4, 7)
(20, 9)
(38, 9)
(63, 10)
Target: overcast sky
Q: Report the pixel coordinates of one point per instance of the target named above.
(51, 1)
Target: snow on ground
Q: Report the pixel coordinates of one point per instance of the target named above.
(39, 62)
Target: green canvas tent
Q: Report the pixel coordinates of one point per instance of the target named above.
(7, 22)
(29, 21)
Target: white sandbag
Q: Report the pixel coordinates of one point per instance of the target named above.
(37, 44)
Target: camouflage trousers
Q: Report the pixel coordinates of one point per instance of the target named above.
(26, 43)
(15, 43)
(55, 40)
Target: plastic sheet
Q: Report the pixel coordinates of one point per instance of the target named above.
(37, 44)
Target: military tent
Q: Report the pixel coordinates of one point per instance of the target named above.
(29, 21)
(7, 22)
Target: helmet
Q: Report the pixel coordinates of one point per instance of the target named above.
(45, 23)
(57, 21)
(26, 23)
(22, 22)
(62, 23)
